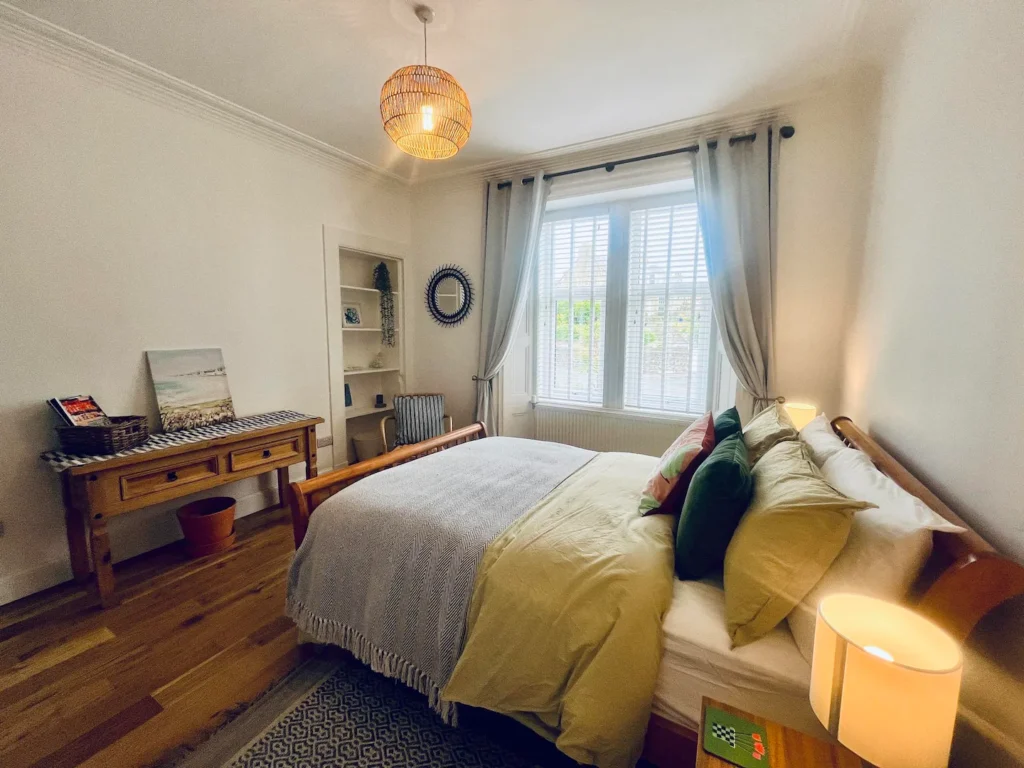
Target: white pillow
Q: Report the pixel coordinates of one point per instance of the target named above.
(820, 440)
(887, 547)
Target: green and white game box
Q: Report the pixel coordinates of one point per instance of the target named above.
(735, 739)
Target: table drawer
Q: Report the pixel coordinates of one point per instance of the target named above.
(157, 480)
(268, 453)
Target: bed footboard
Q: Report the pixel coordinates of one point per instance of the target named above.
(307, 495)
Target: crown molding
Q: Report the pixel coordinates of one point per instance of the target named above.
(81, 54)
(642, 141)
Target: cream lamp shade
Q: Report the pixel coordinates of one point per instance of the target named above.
(885, 681)
(800, 413)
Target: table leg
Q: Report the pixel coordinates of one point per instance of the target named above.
(100, 542)
(310, 453)
(282, 485)
(74, 521)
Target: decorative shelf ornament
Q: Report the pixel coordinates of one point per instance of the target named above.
(382, 283)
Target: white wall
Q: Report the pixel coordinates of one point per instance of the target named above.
(130, 223)
(935, 357)
(447, 228)
(824, 188)
(935, 362)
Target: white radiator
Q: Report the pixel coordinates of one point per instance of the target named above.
(606, 430)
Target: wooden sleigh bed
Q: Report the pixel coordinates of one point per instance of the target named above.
(964, 579)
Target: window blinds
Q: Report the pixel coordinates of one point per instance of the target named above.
(647, 341)
(669, 317)
(572, 268)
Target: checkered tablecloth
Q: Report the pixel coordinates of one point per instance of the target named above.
(59, 461)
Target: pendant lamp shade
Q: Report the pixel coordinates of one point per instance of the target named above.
(425, 112)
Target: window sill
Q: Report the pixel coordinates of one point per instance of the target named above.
(628, 414)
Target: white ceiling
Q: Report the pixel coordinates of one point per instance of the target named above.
(539, 74)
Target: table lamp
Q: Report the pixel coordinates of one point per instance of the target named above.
(885, 681)
(800, 413)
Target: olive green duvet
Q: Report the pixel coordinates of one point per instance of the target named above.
(564, 626)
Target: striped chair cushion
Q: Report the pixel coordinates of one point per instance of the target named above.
(418, 417)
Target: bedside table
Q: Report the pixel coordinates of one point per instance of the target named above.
(787, 748)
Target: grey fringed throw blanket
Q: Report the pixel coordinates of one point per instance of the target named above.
(387, 566)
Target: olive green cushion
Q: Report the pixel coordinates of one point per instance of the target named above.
(768, 428)
(795, 527)
(726, 423)
(718, 496)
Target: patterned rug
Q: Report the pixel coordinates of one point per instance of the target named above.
(359, 719)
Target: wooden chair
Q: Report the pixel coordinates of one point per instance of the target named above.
(425, 431)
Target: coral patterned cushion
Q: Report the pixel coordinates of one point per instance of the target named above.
(666, 489)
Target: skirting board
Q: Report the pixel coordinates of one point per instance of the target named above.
(24, 583)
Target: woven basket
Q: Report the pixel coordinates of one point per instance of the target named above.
(122, 433)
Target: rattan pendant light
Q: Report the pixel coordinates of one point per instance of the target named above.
(424, 109)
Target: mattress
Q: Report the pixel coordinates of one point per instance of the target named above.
(768, 677)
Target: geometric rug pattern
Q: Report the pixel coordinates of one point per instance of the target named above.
(359, 719)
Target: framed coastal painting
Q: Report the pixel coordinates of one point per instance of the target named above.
(191, 387)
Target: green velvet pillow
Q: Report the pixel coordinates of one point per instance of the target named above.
(719, 494)
(727, 423)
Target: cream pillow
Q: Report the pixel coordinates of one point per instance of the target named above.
(821, 441)
(795, 527)
(887, 548)
(770, 427)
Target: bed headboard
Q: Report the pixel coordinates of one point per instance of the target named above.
(965, 577)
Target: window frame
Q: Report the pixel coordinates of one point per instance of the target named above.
(616, 311)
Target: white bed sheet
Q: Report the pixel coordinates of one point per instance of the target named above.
(768, 677)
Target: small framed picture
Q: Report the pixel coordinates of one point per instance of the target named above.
(352, 315)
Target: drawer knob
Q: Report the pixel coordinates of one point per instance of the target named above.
(266, 453)
(172, 476)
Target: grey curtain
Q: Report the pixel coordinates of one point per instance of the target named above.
(737, 197)
(510, 247)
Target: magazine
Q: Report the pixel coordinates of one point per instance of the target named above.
(79, 411)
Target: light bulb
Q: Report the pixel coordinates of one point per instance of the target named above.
(881, 653)
(428, 117)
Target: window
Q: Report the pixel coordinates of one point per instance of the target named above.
(572, 269)
(669, 316)
(623, 307)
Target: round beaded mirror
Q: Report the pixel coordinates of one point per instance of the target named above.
(449, 295)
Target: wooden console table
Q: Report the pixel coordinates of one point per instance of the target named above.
(168, 467)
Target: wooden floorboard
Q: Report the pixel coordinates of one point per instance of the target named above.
(189, 643)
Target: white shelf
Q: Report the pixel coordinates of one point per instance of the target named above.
(364, 289)
(370, 256)
(354, 412)
(361, 371)
(375, 330)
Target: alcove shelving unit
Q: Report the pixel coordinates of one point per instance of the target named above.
(358, 344)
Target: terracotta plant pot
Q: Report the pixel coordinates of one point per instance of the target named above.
(208, 525)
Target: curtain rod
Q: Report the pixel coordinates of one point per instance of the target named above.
(786, 132)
